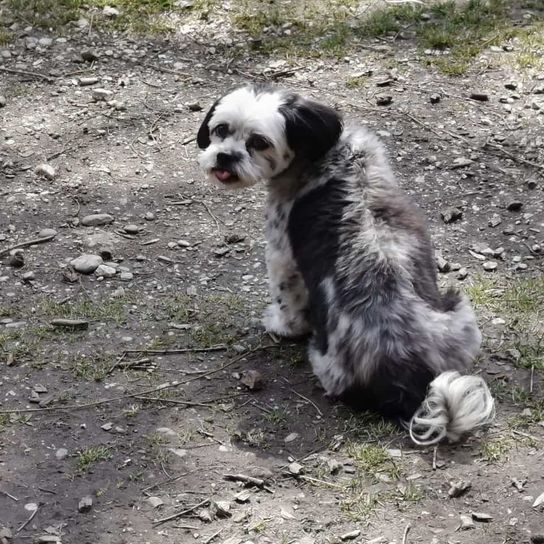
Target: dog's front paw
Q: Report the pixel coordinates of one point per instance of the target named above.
(276, 321)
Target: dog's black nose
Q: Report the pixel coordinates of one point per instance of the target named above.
(225, 160)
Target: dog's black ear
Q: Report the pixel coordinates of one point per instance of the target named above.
(312, 128)
(203, 136)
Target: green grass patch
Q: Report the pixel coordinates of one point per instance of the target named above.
(212, 318)
(90, 456)
(372, 459)
(90, 367)
(495, 450)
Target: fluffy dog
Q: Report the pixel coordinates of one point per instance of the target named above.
(350, 261)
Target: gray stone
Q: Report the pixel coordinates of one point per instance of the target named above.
(86, 81)
(102, 95)
(384, 99)
(97, 220)
(28, 276)
(154, 502)
(462, 274)
(466, 523)
(89, 56)
(126, 276)
(86, 263)
(442, 264)
(45, 170)
(132, 229)
(462, 162)
(352, 535)
(105, 271)
(46, 233)
(490, 266)
(451, 214)
(295, 468)
(61, 454)
(495, 220)
(2, 101)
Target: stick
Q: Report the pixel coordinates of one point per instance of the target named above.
(27, 521)
(209, 213)
(131, 395)
(317, 481)
(250, 480)
(182, 513)
(27, 73)
(308, 400)
(27, 243)
(406, 531)
(188, 141)
(8, 495)
(176, 401)
(219, 347)
(210, 538)
(435, 454)
(531, 385)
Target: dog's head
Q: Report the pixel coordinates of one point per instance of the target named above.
(254, 133)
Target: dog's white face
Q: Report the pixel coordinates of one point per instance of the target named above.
(254, 133)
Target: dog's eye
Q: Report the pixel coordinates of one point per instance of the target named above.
(221, 131)
(259, 143)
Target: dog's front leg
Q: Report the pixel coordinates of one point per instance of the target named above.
(286, 316)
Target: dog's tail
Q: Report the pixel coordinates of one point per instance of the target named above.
(454, 405)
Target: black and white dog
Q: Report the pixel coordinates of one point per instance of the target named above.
(350, 260)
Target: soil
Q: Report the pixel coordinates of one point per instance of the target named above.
(171, 425)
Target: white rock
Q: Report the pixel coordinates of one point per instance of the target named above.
(46, 233)
(45, 170)
(154, 502)
(126, 276)
(290, 437)
(105, 271)
(61, 454)
(101, 95)
(108, 11)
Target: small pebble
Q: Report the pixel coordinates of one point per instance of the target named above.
(352, 535)
(61, 454)
(97, 220)
(126, 276)
(435, 98)
(85, 504)
(132, 229)
(102, 95)
(466, 523)
(490, 266)
(384, 99)
(45, 170)
(480, 97)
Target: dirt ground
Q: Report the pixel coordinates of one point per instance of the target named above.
(144, 412)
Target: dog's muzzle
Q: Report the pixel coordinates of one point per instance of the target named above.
(225, 167)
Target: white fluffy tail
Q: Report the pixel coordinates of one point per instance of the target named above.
(454, 405)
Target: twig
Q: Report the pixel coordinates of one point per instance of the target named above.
(176, 401)
(318, 481)
(27, 243)
(525, 435)
(532, 382)
(167, 70)
(188, 140)
(209, 213)
(310, 401)
(210, 538)
(27, 521)
(248, 480)
(8, 495)
(220, 347)
(182, 513)
(27, 73)
(435, 454)
(117, 363)
(515, 158)
(59, 153)
(132, 395)
(406, 531)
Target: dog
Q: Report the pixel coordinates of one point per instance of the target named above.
(350, 261)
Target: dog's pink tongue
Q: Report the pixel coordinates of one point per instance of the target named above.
(222, 175)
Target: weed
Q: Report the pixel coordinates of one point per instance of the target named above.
(372, 459)
(495, 450)
(277, 416)
(88, 457)
(90, 367)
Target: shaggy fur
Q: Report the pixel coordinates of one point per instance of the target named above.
(349, 259)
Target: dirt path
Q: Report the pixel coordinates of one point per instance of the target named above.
(184, 269)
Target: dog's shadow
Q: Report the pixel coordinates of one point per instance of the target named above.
(288, 417)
